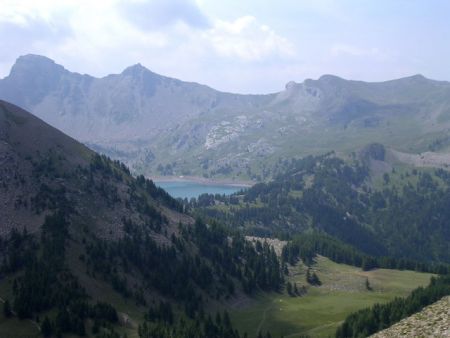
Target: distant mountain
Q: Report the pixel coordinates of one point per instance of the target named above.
(86, 247)
(133, 105)
(161, 125)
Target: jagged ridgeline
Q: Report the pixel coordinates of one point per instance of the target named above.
(164, 126)
(402, 213)
(87, 249)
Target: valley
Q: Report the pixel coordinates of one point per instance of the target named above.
(315, 314)
(322, 309)
(112, 254)
(224, 169)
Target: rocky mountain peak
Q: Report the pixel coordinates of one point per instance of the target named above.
(328, 78)
(417, 78)
(32, 64)
(31, 78)
(290, 85)
(136, 70)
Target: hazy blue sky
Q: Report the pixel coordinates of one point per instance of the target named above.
(252, 46)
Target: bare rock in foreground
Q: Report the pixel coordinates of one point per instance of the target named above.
(432, 321)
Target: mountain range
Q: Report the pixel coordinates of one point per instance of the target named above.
(163, 126)
(89, 249)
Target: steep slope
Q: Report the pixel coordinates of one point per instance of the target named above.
(161, 125)
(433, 321)
(81, 239)
(366, 322)
(42, 167)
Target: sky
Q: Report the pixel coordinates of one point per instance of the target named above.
(253, 46)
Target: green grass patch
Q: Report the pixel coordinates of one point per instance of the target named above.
(322, 309)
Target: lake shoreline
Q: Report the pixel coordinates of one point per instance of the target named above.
(203, 181)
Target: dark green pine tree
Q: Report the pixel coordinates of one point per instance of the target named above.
(315, 279)
(7, 309)
(289, 288)
(46, 327)
(312, 279)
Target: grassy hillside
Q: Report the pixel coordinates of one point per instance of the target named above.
(323, 308)
(362, 200)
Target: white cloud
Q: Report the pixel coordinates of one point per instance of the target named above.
(22, 12)
(105, 36)
(232, 45)
(154, 14)
(341, 49)
(247, 39)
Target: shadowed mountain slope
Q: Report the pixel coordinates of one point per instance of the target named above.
(88, 248)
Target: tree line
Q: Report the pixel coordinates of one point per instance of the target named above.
(368, 321)
(307, 246)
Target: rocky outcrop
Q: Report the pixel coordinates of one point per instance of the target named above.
(433, 321)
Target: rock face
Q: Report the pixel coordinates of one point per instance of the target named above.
(151, 121)
(433, 321)
(132, 105)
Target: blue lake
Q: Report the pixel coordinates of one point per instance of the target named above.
(189, 189)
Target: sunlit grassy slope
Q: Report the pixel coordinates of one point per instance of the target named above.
(320, 311)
